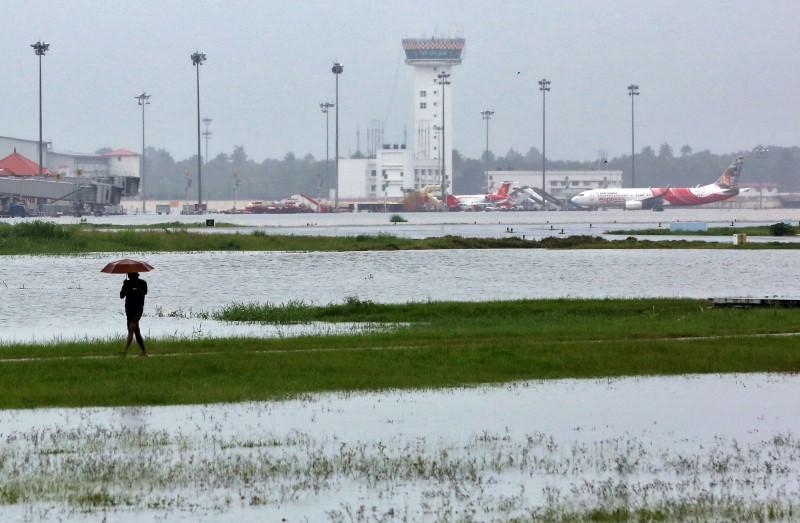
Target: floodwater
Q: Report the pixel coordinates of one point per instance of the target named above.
(711, 444)
(50, 297)
(471, 224)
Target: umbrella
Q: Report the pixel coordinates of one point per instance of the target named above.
(127, 266)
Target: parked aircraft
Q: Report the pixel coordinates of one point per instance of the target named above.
(656, 198)
(469, 200)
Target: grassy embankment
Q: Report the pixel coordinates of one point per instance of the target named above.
(439, 344)
(777, 229)
(48, 238)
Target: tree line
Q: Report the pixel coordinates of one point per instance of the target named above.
(237, 175)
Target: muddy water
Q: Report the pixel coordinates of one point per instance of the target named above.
(47, 297)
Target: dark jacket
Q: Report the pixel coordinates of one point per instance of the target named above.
(134, 292)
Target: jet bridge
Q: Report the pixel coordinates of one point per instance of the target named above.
(93, 193)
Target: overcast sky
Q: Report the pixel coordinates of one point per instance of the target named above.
(717, 75)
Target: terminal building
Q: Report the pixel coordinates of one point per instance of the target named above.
(392, 169)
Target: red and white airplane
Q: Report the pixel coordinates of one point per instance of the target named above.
(468, 201)
(656, 198)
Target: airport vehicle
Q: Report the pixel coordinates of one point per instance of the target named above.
(656, 198)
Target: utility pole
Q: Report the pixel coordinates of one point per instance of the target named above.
(40, 48)
(544, 86)
(633, 90)
(143, 99)
(487, 115)
(444, 80)
(197, 60)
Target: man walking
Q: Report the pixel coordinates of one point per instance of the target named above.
(134, 290)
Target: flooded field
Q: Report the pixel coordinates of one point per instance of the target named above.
(72, 299)
(480, 224)
(696, 447)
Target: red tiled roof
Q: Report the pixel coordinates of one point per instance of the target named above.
(17, 165)
(121, 152)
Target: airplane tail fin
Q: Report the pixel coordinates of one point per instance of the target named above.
(730, 178)
(504, 188)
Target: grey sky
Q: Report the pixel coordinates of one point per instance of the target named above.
(716, 75)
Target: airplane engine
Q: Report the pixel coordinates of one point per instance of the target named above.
(633, 205)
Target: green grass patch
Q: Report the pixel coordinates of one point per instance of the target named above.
(439, 344)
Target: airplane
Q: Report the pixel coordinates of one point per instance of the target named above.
(656, 198)
(480, 200)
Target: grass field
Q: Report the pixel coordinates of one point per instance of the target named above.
(437, 344)
(40, 238)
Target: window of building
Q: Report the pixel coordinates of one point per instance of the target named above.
(373, 173)
(423, 105)
(372, 188)
(423, 94)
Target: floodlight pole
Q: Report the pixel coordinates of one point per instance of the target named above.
(40, 48)
(544, 86)
(337, 69)
(633, 90)
(143, 99)
(444, 80)
(325, 106)
(197, 60)
(487, 115)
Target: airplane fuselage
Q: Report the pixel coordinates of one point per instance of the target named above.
(654, 197)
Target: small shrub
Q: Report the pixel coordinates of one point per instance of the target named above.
(782, 229)
(396, 218)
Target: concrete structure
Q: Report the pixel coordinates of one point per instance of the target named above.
(561, 184)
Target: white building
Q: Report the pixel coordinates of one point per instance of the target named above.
(117, 162)
(561, 184)
(395, 169)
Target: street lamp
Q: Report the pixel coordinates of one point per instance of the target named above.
(207, 134)
(633, 90)
(325, 106)
(487, 115)
(444, 80)
(143, 99)
(544, 86)
(337, 69)
(197, 60)
(40, 48)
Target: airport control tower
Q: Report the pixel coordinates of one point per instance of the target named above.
(429, 57)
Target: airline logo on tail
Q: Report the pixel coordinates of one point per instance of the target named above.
(730, 178)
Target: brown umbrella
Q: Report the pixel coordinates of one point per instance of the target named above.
(126, 266)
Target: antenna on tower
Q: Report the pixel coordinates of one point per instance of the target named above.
(358, 139)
